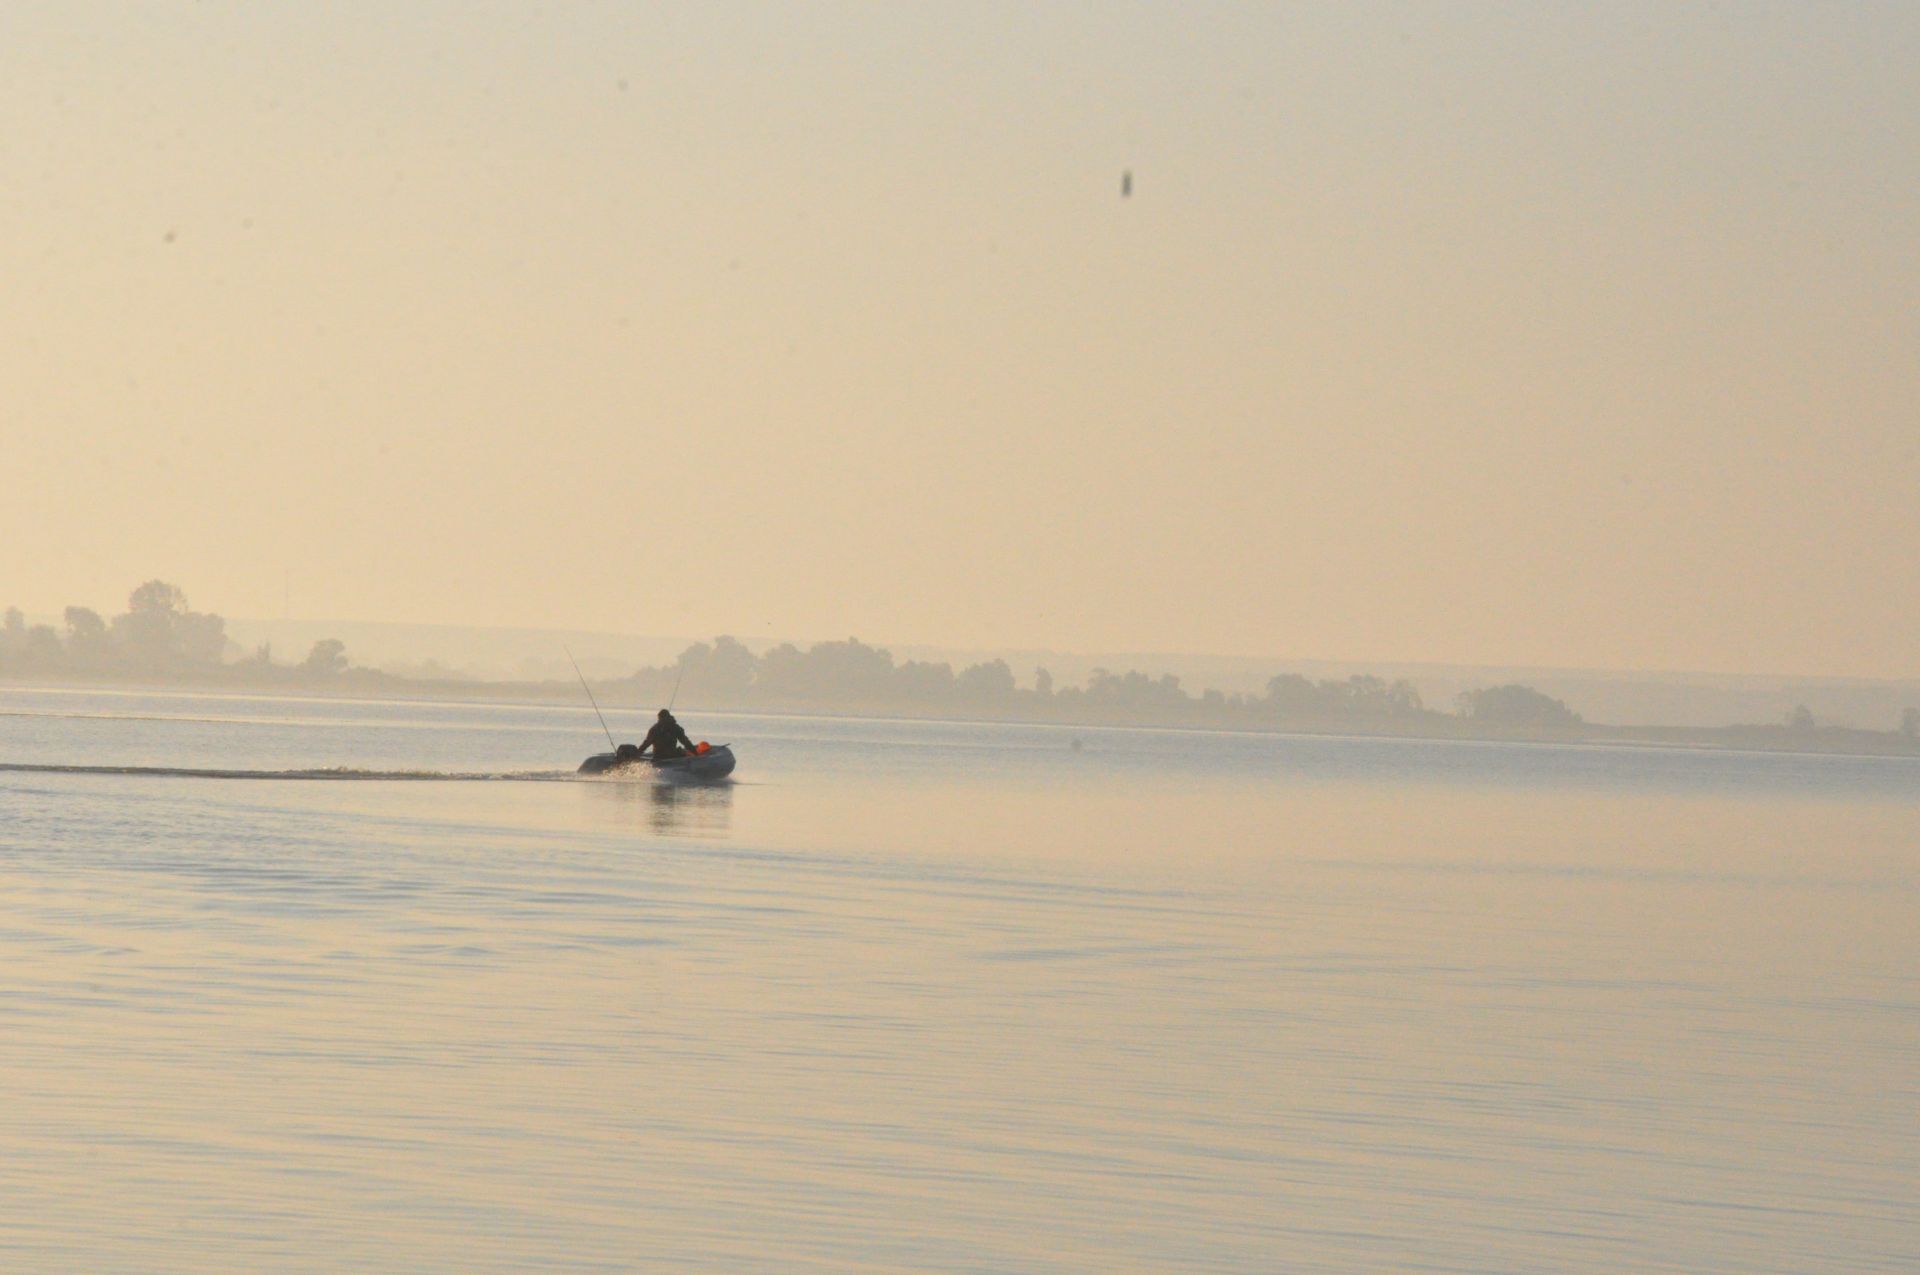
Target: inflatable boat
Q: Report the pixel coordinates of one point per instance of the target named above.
(709, 761)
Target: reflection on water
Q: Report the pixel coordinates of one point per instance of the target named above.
(940, 997)
(673, 808)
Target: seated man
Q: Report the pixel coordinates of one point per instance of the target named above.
(666, 739)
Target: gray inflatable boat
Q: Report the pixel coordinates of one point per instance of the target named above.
(715, 763)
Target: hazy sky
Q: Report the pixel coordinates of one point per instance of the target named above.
(1534, 333)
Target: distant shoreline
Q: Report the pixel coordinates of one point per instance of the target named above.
(368, 685)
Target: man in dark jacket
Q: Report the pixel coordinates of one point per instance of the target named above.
(666, 739)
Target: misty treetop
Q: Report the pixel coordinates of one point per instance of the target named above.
(158, 632)
(158, 635)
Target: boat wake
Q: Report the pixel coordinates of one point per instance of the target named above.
(336, 773)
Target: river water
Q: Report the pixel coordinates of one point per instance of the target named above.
(395, 990)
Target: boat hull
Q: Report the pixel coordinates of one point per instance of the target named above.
(715, 763)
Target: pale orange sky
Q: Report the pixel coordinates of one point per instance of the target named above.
(1538, 334)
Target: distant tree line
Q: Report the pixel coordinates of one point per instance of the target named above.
(158, 635)
(852, 675)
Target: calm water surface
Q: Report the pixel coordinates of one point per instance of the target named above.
(385, 987)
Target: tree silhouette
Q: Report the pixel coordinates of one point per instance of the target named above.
(923, 682)
(157, 595)
(158, 631)
(990, 683)
(328, 657)
(1515, 706)
(43, 647)
(88, 645)
(146, 631)
(723, 670)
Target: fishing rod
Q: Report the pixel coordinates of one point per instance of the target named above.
(676, 686)
(589, 690)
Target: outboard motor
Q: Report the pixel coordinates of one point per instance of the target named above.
(601, 763)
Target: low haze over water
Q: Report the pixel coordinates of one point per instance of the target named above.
(309, 984)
